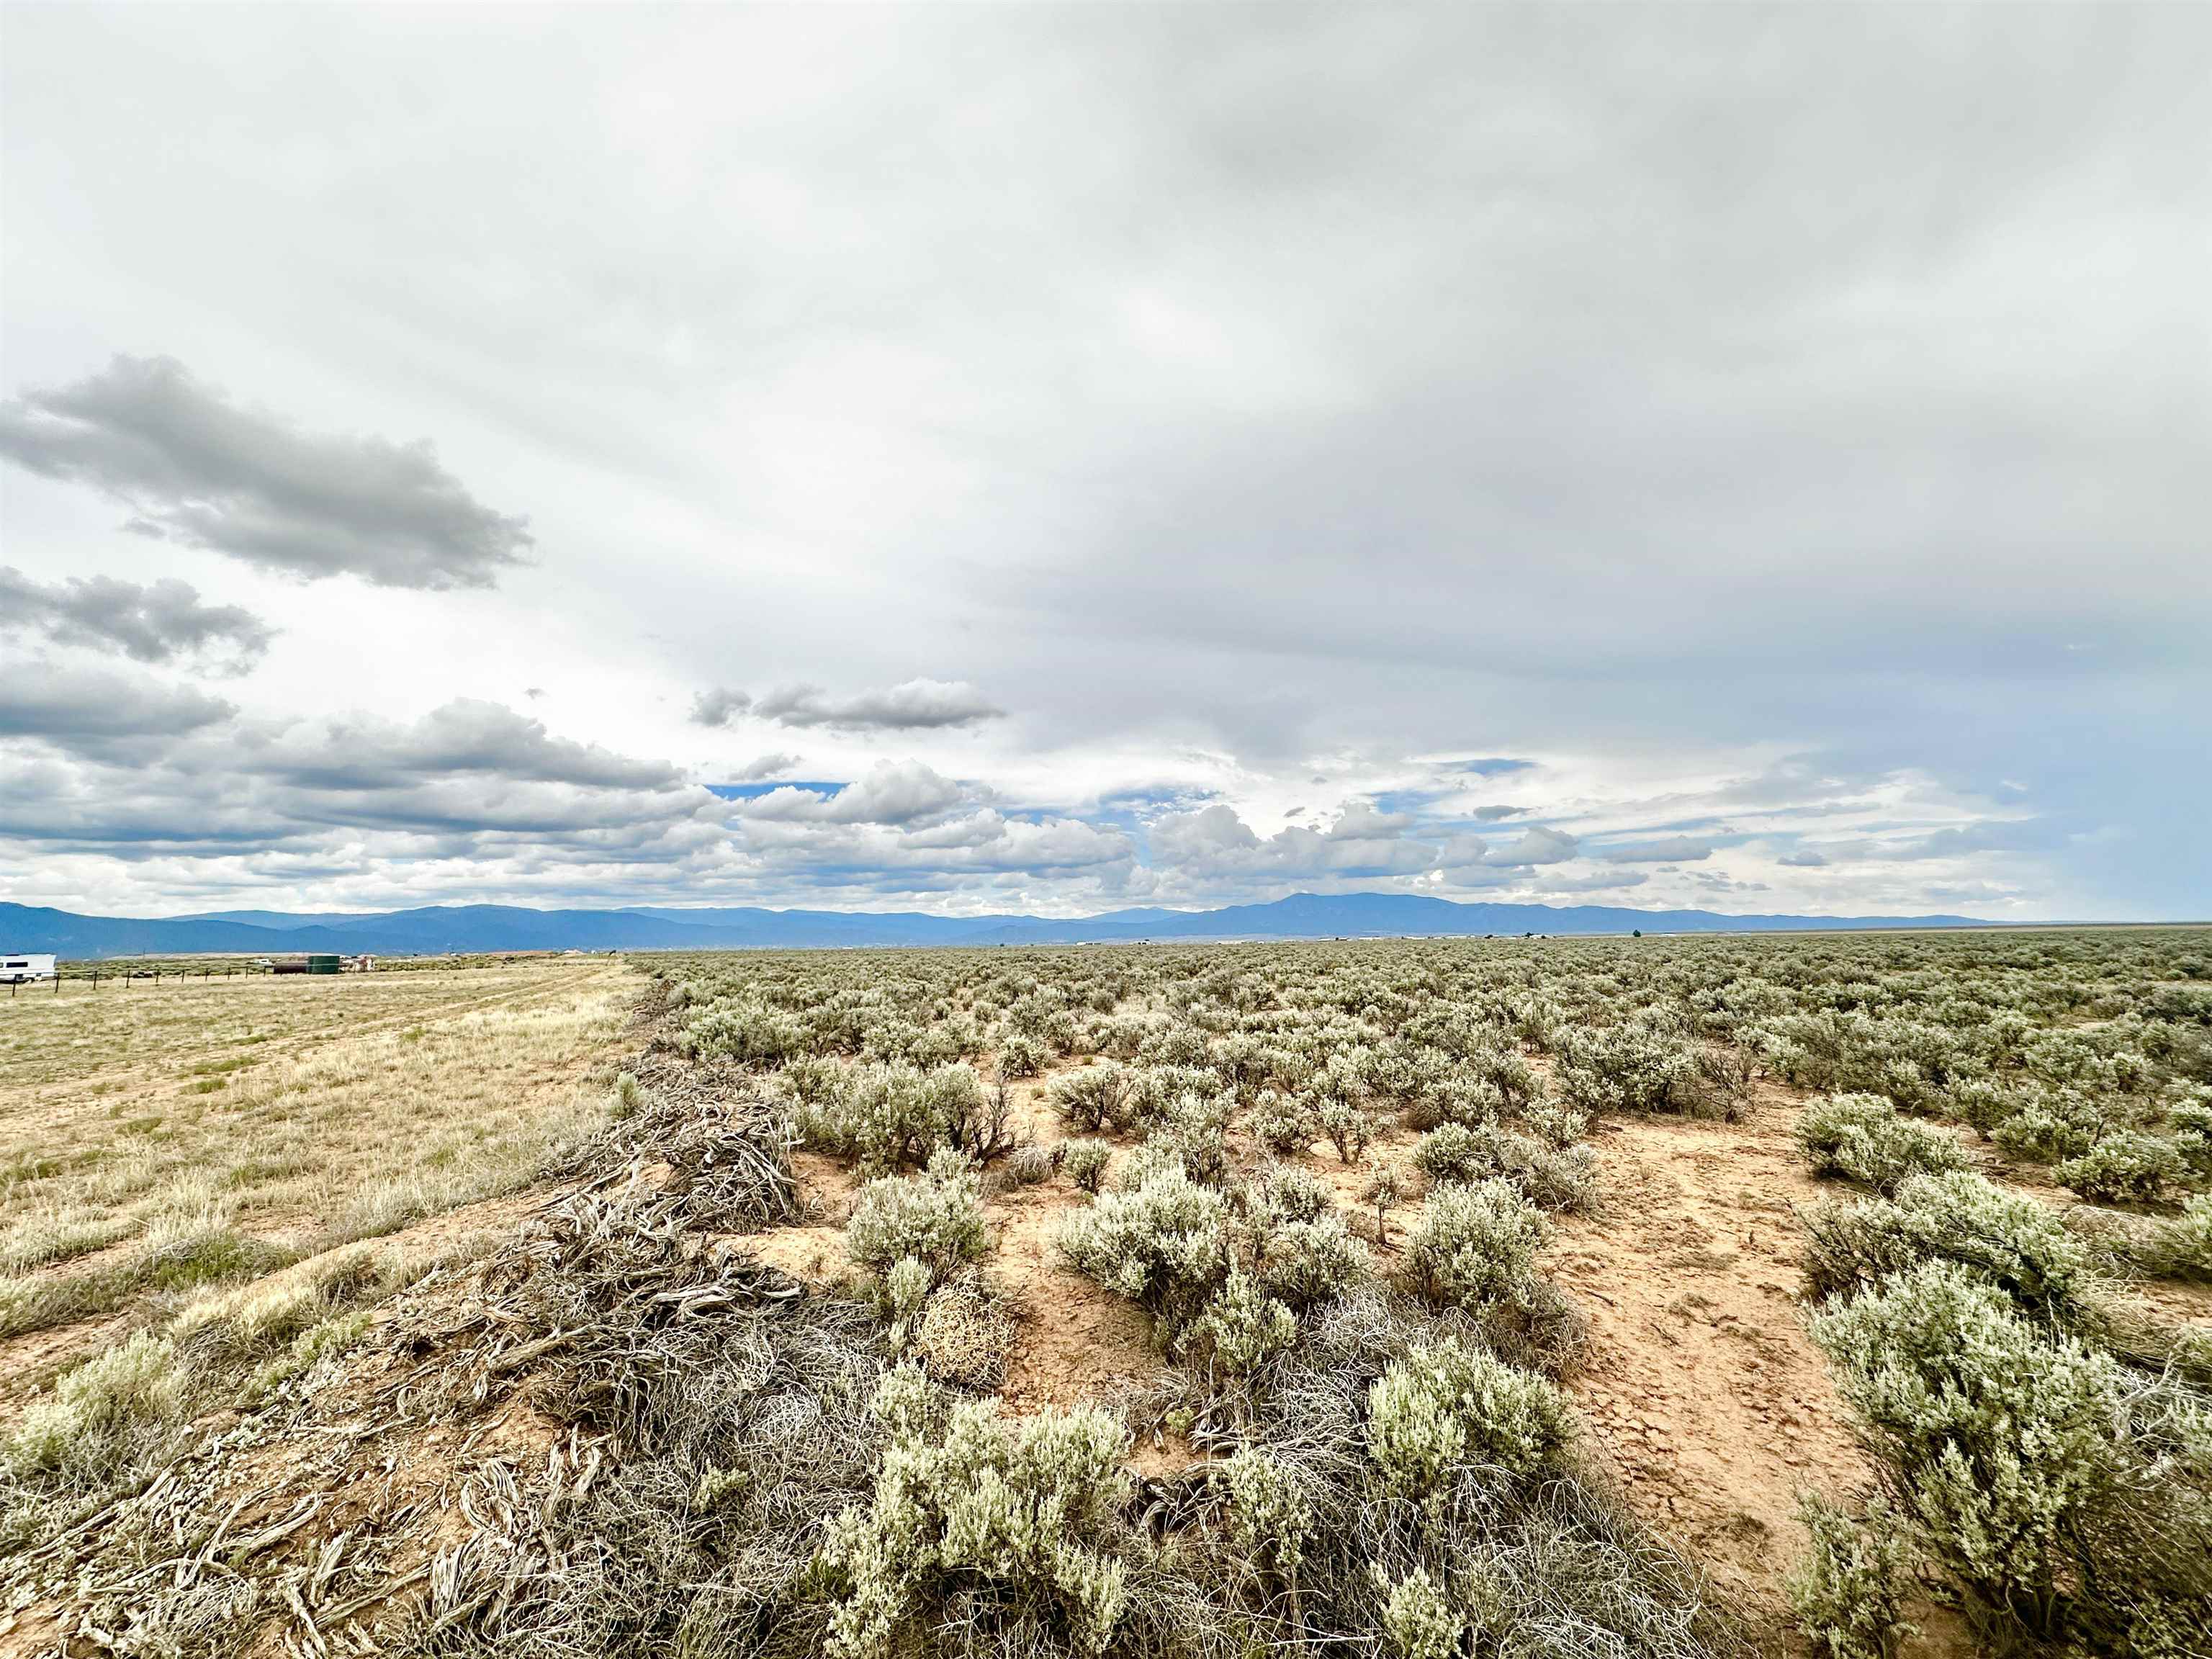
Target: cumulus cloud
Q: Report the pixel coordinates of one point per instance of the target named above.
(1215, 842)
(766, 767)
(464, 737)
(1536, 846)
(203, 471)
(913, 706)
(1676, 849)
(159, 622)
(719, 706)
(898, 793)
(73, 707)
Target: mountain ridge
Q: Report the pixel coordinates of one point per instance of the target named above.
(436, 929)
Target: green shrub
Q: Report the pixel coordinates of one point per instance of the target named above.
(1473, 1246)
(1015, 1521)
(1629, 1068)
(2058, 1124)
(1283, 1192)
(1347, 1127)
(1862, 1137)
(1021, 1056)
(890, 1116)
(86, 1428)
(2192, 1132)
(1164, 1244)
(1283, 1123)
(1558, 1126)
(2180, 1248)
(1306, 1262)
(2124, 1167)
(1092, 1097)
(1552, 1178)
(935, 1218)
(2000, 1444)
(1269, 1516)
(1084, 1162)
(1849, 1593)
(1446, 1406)
(1197, 1130)
(1240, 1329)
(2014, 1242)
(1420, 1620)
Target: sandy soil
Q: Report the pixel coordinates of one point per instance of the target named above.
(1705, 1396)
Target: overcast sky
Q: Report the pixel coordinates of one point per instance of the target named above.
(1050, 460)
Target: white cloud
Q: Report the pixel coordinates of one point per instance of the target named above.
(911, 706)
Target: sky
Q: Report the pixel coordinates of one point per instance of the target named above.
(1049, 460)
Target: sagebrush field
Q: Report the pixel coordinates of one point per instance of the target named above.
(1845, 1294)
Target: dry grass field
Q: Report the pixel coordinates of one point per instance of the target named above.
(154, 1139)
(1443, 1300)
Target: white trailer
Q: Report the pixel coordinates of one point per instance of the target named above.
(25, 969)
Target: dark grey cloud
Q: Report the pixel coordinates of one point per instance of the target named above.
(920, 705)
(202, 470)
(465, 736)
(157, 622)
(72, 707)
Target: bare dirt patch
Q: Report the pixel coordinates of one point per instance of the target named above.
(1076, 1341)
(1705, 1396)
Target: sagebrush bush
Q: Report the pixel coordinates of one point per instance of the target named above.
(1269, 1515)
(1849, 1593)
(1346, 1125)
(892, 1114)
(1628, 1067)
(1084, 1162)
(1862, 1137)
(1165, 1244)
(1283, 1123)
(86, 1426)
(1446, 1406)
(1419, 1619)
(1307, 1260)
(935, 1218)
(1021, 1056)
(1240, 1329)
(2009, 1240)
(2180, 1248)
(2023, 1460)
(1473, 1246)
(1014, 1520)
(2058, 1124)
(1092, 1097)
(1553, 1178)
(2124, 1167)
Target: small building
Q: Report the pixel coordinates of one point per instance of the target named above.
(24, 969)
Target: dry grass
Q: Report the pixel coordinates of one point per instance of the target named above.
(162, 1137)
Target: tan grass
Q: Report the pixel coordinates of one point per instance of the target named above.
(186, 1131)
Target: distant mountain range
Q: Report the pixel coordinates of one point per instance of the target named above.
(507, 927)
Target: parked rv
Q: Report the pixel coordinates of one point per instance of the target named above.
(25, 969)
